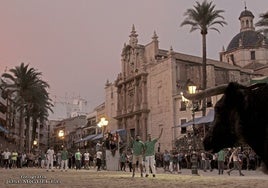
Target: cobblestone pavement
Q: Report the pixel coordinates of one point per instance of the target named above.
(34, 177)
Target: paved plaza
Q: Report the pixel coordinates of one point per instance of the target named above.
(35, 177)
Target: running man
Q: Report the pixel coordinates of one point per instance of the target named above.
(150, 154)
(138, 151)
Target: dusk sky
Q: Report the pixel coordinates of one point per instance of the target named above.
(77, 44)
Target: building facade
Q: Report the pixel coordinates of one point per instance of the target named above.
(249, 48)
(150, 83)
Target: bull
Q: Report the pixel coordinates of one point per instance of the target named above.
(241, 116)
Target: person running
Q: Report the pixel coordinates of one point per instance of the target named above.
(78, 157)
(6, 155)
(14, 157)
(150, 154)
(86, 159)
(123, 160)
(236, 161)
(64, 159)
(138, 151)
(221, 159)
(98, 159)
(50, 154)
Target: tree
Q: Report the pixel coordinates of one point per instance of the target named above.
(204, 17)
(263, 22)
(29, 91)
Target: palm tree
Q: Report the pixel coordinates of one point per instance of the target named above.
(25, 82)
(41, 104)
(263, 22)
(204, 17)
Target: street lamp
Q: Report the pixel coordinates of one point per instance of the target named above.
(34, 144)
(192, 90)
(61, 136)
(102, 124)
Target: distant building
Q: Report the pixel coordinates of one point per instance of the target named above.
(67, 109)
(249, 48)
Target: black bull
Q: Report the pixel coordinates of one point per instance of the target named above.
(241, 116)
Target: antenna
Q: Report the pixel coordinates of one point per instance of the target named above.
(245, 5)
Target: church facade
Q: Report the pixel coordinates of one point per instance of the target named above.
(146, 95)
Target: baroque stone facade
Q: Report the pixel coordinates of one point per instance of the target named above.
(149, 85)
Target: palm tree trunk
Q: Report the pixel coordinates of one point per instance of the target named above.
(28, 147)
(21, 145)
(204, 72)
(34, 131)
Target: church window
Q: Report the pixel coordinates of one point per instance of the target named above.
(252, 55)
(183, 106)
(232, 58)
(183, 129)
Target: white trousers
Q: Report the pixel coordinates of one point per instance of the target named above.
(150, 162)
(64, 164)
(50, 162)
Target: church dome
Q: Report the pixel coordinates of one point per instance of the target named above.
(247, 39)
(246, 13)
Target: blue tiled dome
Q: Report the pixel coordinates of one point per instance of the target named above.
(248, 39)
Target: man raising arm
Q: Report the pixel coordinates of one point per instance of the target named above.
(150, 154)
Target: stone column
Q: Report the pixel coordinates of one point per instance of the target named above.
(124, 99)
(143, 99)
(135, 101)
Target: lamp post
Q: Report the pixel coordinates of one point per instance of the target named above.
(102, 124)
(35, 144)
(192, 90)
(61, 136)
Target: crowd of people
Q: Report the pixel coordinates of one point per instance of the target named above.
(139, 156)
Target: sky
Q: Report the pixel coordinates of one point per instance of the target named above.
(77, 44)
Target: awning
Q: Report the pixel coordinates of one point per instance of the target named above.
(3, 129)
(200, 120)
(121, 132)
(188, 123)
(99, 136)
(263, 79)
(208, 118)
(87, 138)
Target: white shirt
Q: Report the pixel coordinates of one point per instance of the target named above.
(6, 154)
(99, 154)
(50, 153)
(86, 155)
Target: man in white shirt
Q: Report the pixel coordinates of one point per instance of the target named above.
(6, 155)
(86, 158)
(50, 153)
(236, 160)
(98, 156)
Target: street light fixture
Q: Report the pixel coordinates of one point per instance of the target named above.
(102, 124)
(61, 136)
